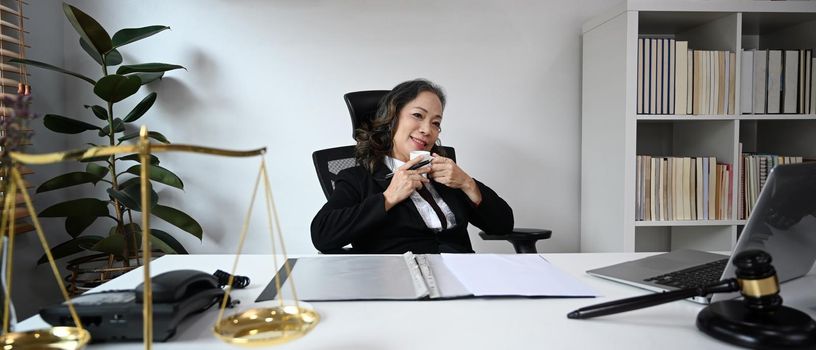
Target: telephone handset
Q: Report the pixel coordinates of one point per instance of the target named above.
(117, 315)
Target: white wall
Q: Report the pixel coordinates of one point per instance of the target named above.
(272, 73)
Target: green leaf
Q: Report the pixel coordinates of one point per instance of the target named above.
(88, 29)
(157, 243)
(51, 67)
(123, 199)
(159, 174)
(169, 240)
(114, 88)
(129, 35)
(74, 225)
(68, 180)
(130, 196)
(179, 219)
(147, 68)
(91, 51)
(135, 157)
(151, 134)
(98, 170)
(118, 126)
(71, 247)
(114, 244)
(99, 111)
(113, 58)
(148, 78)
(77, 207)
(65, 125)
(141, 108)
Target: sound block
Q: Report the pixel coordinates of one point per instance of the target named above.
(782, 328)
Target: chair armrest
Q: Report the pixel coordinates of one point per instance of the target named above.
(523, 239)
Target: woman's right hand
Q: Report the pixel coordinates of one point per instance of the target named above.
(404, 182)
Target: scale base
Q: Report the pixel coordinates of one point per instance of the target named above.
(783, 328)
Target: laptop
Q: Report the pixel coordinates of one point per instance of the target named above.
(783, 224)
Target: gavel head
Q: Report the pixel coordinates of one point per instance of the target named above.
(757, 279)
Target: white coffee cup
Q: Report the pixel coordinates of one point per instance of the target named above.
(425, 155)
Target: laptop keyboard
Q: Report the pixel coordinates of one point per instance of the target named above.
(695, 276)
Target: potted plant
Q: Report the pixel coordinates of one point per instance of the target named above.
(118, 174)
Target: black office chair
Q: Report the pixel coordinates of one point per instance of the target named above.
(362, 106)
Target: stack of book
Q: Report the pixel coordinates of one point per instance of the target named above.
(777, 81)
(682, 188)
(672, 79)
(755, 170)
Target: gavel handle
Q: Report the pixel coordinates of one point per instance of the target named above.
(643, 301)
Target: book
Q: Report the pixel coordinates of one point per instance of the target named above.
(422, 277)
(790, 82)
(689, 81)
(664, 163)
(732, 82)
(800, 83)
(760, 81)
(681, 77)
(705, 179)
(671, 76)
(807, 83)
(746, 81)
(712, 187)
(639, 188)
(720, 95)
(685, 189)
(659, 81)
(698, 187)
(812, 86)
(647, 186)
(670, 188)
(698, 84)
(652, 188)
(640, 75)
(693, 190)
(652, 76)
(774, 81)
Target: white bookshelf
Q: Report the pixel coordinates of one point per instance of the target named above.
(613, 134)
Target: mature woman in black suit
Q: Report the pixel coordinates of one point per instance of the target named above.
(425, 210)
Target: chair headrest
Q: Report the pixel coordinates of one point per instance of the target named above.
(362, 106)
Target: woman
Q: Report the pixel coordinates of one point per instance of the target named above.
(378, 214)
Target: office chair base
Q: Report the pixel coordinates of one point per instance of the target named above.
(782, 328)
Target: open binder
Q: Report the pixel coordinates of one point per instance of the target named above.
(416, 277)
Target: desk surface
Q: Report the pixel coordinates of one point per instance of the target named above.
(511, 323)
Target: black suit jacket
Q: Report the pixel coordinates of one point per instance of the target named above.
(355, 213)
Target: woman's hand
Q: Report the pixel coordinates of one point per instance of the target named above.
(445, 171)
(404, 182)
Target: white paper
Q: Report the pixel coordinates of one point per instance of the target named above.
(513, 274)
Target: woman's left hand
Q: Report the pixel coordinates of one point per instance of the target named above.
(446, 172)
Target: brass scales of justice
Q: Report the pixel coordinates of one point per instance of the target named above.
(254, 327)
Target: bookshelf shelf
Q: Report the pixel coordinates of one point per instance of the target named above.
(674, 117)
(614, 133)
(689, 223)
(777, 117)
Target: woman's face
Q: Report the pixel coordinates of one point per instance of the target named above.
(418, 125)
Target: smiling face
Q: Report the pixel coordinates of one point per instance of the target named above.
(418, 125)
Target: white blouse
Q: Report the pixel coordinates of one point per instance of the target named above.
(425, 210)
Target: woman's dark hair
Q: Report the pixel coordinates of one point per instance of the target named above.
(375, 139)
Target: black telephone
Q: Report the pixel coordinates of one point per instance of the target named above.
(117, 315)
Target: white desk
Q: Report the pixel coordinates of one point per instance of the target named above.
(458, 324)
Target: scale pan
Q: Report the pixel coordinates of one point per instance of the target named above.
(267, 326)
(62, 338)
